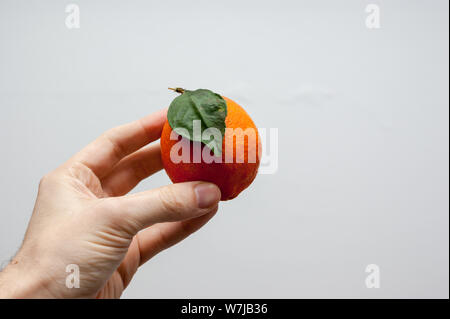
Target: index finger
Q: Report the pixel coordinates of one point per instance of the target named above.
(106, 151)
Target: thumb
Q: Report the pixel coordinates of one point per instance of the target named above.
(166, 204)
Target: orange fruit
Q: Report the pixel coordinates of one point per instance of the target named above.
(232, 177)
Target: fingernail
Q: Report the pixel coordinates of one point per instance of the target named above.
(207, 194)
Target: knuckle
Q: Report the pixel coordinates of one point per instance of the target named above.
(115, 215)
(119, 150)
(171, 203)
(161, 240)
(141, 170)
(46, 180)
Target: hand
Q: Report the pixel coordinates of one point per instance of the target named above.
(83, 217)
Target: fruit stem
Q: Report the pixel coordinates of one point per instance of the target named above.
(178, 90)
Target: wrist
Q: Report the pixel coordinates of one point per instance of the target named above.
(17, 281)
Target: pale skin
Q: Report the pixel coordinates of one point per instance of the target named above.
(83, 216)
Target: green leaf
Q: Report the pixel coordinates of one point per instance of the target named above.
(202, 105)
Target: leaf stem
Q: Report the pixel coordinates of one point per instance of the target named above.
(178, 90)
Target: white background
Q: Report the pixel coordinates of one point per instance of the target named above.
(363, 133)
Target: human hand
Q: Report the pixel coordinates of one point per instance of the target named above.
(83, 217)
